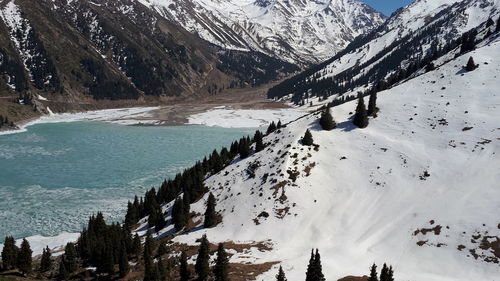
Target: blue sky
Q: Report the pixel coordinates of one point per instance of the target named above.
(387, 6)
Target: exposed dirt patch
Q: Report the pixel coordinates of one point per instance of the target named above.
(424, 231)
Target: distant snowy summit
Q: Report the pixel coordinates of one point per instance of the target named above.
(300, 32)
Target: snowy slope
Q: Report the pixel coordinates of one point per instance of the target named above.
(417, 189)
(463, 15)
(298, 31)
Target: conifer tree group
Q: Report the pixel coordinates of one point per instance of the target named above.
(386, 274)
(314, 269)
(14, 257)
(361, 115)
(326, 121)
(46, 260)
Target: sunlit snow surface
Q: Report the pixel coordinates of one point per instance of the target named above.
(430, 155)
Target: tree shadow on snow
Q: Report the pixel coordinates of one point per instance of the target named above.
(347, 126)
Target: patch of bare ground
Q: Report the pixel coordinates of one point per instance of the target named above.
(354, 278)
(237, 271)
(424, 231)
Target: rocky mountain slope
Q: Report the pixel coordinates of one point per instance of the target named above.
(416, 189)
(407, 41)
(66, 52)
(300, 32)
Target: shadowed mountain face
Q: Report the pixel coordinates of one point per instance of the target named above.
(79, 50)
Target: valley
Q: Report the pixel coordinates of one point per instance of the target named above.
(228, 140)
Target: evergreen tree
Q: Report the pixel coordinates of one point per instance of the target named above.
(314, 269)
(310, 268)
(498, 24)
(221, 264)
(244, 148)
(63, 272)
(162, 249)
(361, 116)
(271, 128)
(279, 125)
(24, 259)
(162, 270)
(202, 267)
(69, 257)
(372, 104)
(318, 268)
(471, 65)
(150, 268)
(281, 275)
(384, 273)
(9, 253)
(210, 214)
(390, 274)
(179, 216)
(123, 263)
(373, 273)
(258, 139)
(46, 260)
(184, 272)
(489, 22)
(136, 246)
(326, 121)
(307, 139)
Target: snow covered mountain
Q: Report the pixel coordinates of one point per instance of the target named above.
(298, 31)
(417, 189)
(410, 37)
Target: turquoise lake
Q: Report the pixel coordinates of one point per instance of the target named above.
(53, 176)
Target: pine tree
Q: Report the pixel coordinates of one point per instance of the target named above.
(162, 270)
(258, 139)
(136, 246)
(24, 259)
(210, 214)
(123, 262)
(279, 125)
(69, 257)
(179, 216)
(318, 276)
(307, 139)
(390, 274)
(310, 268)
(361, 116)
(471, 65)
(184, 272)
(372, 104)
(498, 24)
(63, 272)
(244, 148)
(221, 264)
(46, 260)
(384, 273)
(489, 22)
(150, 268)
(162, 249)
(373, 273)
(202, 267)
(271, 128)
(314, 269)
(326, 121)
(281, 275)
(9, 253)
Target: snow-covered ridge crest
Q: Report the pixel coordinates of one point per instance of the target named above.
(416, 189)
(297, 31)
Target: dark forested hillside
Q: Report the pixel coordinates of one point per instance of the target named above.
(70, 51)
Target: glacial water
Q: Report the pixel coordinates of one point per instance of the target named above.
(53, 176)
